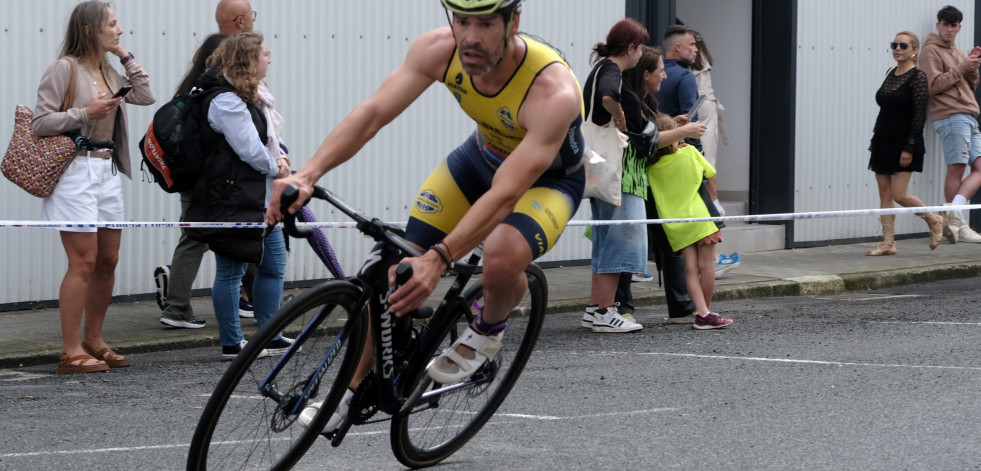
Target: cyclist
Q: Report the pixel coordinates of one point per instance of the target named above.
(513, 184)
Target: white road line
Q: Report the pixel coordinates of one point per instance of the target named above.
(929, 323)
(351, 434)
(789, 360)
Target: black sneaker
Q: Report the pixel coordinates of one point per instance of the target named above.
(161, 277)
(279, 347)
(229, 353)
(192, 323)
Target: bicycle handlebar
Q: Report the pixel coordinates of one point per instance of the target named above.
(371, 227)
(86, 143)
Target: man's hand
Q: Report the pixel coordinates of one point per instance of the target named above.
(971, 62)
(426, 271)
(273, 214)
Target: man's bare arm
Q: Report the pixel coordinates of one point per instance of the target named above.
(423, 65)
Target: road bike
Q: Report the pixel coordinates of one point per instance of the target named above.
(251, 418)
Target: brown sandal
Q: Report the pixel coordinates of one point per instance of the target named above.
(119, 361)
(75, 364)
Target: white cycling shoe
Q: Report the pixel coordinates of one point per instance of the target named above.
(306, 417)
(452, 367)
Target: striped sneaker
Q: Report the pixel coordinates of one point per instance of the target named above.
(610, 320)
(588, 317)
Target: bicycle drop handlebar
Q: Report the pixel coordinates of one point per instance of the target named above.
(371, 227)
(85, 143)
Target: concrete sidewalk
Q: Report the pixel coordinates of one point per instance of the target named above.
(34, 337)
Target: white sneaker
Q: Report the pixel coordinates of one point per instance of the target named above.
(306, 417)
(966, 234)
(610, 320)
(953, 224)
(589, 316)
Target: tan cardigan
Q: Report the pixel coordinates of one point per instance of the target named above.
(49, 120)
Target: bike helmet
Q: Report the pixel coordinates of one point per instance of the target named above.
(481, 7)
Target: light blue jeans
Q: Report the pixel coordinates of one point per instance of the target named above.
(960, 137)
(266, 290)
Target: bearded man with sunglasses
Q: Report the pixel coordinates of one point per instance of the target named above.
(952, 78)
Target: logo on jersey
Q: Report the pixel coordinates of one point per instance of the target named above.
(459, 79)
(427, 202)
(507, 120)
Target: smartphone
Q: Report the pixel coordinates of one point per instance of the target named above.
(694, 108)
(123, 91)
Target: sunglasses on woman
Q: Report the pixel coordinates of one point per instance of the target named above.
(903, 46)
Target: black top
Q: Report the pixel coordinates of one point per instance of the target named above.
(902, 101)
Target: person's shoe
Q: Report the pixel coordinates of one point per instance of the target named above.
(682, 319)
(953, 223)
(727, 263)
(306, 417)
(710, 321)
(588, 317)
(642, 277)
(966, 234)
(192, 323)
(161, 277)
(610, 320)
(229, 353)
(279, 347)
(452, 367)
(245, 308)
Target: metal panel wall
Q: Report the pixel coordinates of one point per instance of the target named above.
(327, 57)
(842, 59)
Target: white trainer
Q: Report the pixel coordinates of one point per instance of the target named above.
(610, 320)
(588, 317)
(966, 234)
(306, 417)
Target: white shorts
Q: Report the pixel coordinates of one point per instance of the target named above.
(89, 191)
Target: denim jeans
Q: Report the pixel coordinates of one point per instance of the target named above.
(267, 289)
(960, 137)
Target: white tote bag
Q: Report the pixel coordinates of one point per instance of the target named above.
(604, 157)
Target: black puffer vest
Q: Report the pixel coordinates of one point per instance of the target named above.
(229, 190)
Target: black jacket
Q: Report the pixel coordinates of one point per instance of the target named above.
(229, 190)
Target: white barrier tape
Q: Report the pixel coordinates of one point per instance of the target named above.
(575, 222)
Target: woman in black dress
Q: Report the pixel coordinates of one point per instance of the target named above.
(897, 140)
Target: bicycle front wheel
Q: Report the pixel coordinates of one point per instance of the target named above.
(250, 421)
(440, 423)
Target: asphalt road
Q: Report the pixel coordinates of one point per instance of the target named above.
(880, 380)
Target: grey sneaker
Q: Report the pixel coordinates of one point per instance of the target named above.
(609, 320)
(192, 323)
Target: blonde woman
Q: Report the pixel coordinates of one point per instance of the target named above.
(897, 148)
(90, 189)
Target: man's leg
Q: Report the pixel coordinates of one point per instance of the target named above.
(183, 269)
(506, 254)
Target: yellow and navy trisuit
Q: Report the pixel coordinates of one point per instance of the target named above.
(466, 174)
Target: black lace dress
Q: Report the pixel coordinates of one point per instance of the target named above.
(902, 101)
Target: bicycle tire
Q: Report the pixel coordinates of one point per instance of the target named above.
(242, 427)
(426, 436)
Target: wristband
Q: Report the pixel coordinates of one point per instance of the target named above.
(126, 59)
(443, 254)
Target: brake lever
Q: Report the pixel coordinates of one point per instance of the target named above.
(289, 196)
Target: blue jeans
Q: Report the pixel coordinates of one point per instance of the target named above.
(623, 248)
(960, 137)
(267, 290)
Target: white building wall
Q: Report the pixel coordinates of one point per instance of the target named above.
(327, 57)
(842, 59)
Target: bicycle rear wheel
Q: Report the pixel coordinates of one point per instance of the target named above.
(435, 429)
(250, 421)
